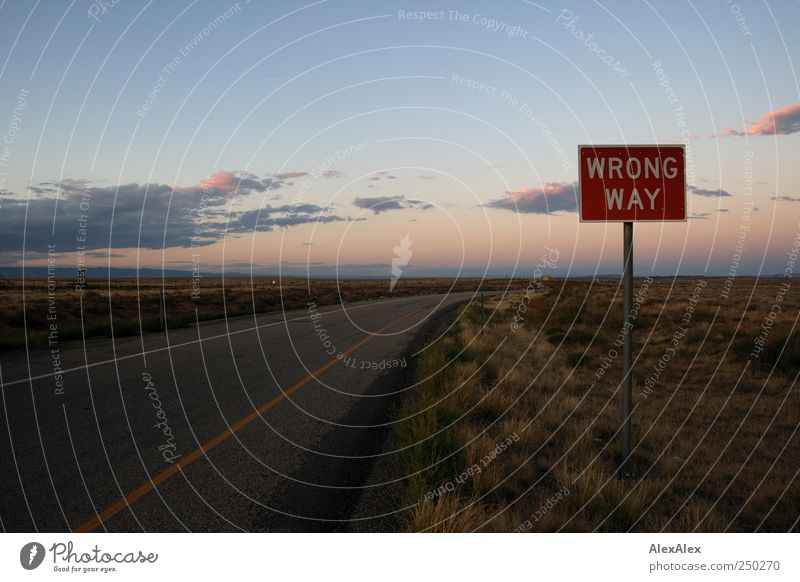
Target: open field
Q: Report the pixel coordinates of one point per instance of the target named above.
(132, 307)
(515, 429)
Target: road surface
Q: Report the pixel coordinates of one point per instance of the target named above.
(267, 423)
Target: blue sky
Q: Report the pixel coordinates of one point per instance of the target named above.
(275, 87)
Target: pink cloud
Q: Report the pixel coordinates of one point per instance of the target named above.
(783, 121)
(231, 184)
(552, 197)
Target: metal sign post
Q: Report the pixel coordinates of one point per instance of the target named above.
(627, 389)
(162, 309)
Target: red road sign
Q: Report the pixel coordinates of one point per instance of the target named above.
(621, 183)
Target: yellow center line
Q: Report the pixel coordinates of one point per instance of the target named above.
(190, 458)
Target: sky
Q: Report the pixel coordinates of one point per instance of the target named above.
(294, 138)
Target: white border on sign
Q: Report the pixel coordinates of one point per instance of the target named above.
(628, 146)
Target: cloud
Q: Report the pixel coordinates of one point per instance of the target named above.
(381, 204)
(383, 174)
(785, 199)
(551, 198)
(266, 219)
(318, 173)
(38, 189)
(783, 121)
(719, 192)
(420, 204)
(232, 184)
(74, 213)
(124, 216)
(295, 209)
(290, 175)
(728, 133)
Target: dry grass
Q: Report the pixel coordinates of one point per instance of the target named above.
(132, 307)
(716, 442)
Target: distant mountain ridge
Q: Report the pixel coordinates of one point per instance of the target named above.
(39, 272)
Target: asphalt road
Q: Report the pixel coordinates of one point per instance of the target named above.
(249, 424)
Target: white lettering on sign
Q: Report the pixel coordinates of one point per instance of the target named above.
(614, 198)
(634, 168)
